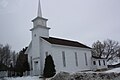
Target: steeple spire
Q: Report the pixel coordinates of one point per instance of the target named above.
(39, 20)
(39, 10)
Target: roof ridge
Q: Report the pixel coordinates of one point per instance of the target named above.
(59, 41)
(64, 39)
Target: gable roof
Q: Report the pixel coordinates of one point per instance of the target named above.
(65, 42)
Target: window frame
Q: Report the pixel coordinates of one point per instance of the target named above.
(86, 59)
(64, 58)
(31, 62)
(104, 62)
(76, 59)
(99, 62)
(94, 62)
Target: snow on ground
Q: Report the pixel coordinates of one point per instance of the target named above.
(116, 70)
(24, 78)
(114, 62)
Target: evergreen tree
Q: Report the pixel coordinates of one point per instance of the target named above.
(19, 68)
(26, 64)
(22, 64)
(49, 69)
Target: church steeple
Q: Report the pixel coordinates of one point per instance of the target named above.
(39, 14)
(40, 24)
(39, 30)
(39, 20)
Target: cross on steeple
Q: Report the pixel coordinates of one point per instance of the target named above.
(39, 14)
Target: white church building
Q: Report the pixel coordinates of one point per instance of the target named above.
(69, 56)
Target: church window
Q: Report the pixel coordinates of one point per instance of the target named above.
(36, 61)
(76, 59)
(94, 62)
(36, 67)
(86, 59)
(34, 35)
(31, 62)
(104, 62)
(99, 63)
(63, 56)
(46, 54)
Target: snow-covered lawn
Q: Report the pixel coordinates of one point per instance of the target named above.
(116, 70)
(24, 78)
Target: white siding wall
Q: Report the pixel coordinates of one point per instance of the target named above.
(36, 33)
(45, 47)
(37, 45)
(97, 66)
(56, 52)
(29, 52)
(70, 58)
(41, 31)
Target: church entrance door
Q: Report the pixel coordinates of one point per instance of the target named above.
(36, 68)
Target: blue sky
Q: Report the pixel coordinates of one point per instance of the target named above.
(85, 21)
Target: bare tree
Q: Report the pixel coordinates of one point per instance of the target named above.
(1, 53)
(111, 49)
(108, 49)
(5, 54)
(118, 54)
(13, 58)
(98, 49)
